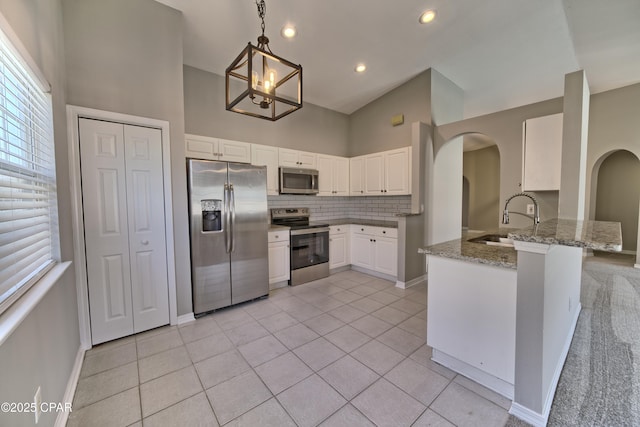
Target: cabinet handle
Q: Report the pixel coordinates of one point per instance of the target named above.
(277, 236)
(362, 229)
(374, 240)
(384, 231)
(382, 191)
(331, 240)
(145, 242)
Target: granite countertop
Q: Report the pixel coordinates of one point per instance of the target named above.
(461, 249)
(360, 221)
(599, 235)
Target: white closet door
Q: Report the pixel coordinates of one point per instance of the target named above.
(123, 200)
(147, 248)
(106, 229)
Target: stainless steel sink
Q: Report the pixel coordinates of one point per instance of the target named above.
(493, 239)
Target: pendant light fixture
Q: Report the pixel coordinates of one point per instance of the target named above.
(261, 84)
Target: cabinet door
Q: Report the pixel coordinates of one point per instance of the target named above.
(288, 158)
(307, 160)
(374, 174)
(201, 147)
(362, 250)
(386, 255)
(326, 165)
(397, 168)
(278, 262)
(263, 155)
(542, 153)
(234, 151)
(338, 250)
(341, 177)
(356, 176)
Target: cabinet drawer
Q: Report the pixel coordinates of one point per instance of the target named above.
(362, 229)
(385, 232)
(278, 236)
(338, 229)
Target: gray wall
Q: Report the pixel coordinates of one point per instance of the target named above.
(618, 195)
(505, 129)
(42, 350)
(613, 125)
(126, 56)
(482, 169)
(370, 128)
(311, 128)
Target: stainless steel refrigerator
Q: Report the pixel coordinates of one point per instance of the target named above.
(228, 226)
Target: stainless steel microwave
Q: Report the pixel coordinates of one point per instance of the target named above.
(298, 181)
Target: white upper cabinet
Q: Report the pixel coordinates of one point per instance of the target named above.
(333, 175)
(397, 171)
(356, 176)
(542, 153)
(264, 155)
(297, 159)
(382, 174)
(374, 175)
(234, 151)
(207, 148)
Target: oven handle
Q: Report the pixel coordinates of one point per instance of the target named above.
(304, 231)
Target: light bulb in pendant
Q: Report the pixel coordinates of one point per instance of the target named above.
(255, 80)
(272, 79)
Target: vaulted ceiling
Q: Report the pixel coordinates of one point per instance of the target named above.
(502, 53)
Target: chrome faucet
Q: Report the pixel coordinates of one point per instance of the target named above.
(536, 211)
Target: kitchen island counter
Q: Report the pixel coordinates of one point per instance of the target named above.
(504, 316)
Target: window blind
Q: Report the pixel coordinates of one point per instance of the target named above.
(28, 211)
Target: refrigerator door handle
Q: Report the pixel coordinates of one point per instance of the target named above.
(227, 219)
(233, 217)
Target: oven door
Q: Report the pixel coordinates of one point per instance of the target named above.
(309, 246)
(298, 181)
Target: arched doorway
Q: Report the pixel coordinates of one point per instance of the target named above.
(618, 196)
(481, 172)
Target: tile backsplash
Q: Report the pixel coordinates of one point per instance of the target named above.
(325, 208)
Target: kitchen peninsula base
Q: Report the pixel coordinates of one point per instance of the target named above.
(504, 316)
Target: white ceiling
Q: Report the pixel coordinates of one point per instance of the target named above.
(502, 53)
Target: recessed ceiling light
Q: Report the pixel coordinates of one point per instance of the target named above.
(427, 16)
(360, 68)
(288, 31)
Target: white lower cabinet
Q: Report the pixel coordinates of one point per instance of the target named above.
(279, 259)
(339, 255)
(375, 248)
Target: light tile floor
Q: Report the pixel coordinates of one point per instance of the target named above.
(347, 350)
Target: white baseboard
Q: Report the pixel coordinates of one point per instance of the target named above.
(527, 415)
(186, 318)
(636, 265)
(413, 282)
(373, 273)
(63, 416)
(278, 285)
(491, 382)
(540, 419)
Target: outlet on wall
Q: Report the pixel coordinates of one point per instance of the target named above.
(37, 400)
(530, 210)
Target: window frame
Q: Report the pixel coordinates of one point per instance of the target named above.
(32, 113)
